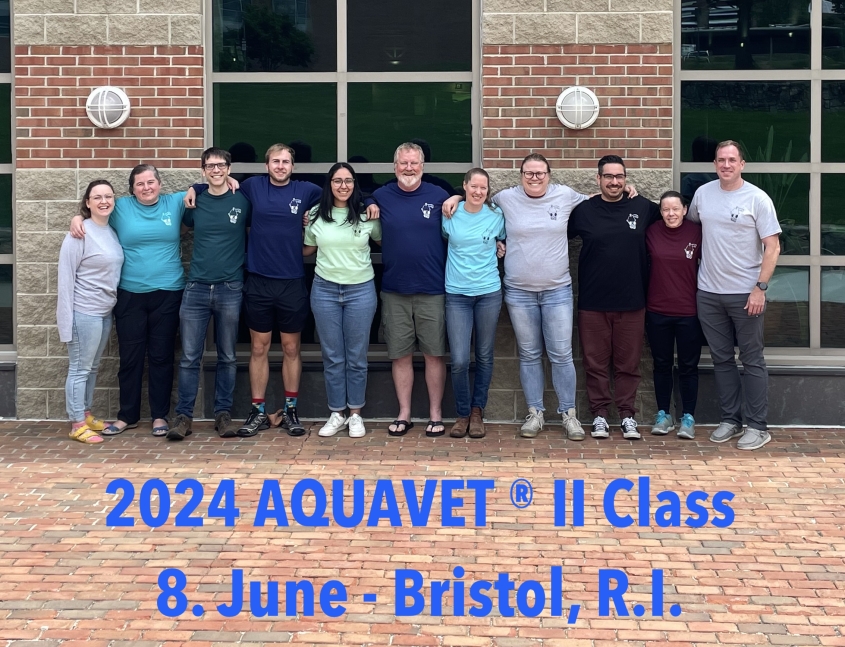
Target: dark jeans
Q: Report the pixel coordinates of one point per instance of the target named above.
(663, 333)
(146, 327)
(617, 338)
(723, 319)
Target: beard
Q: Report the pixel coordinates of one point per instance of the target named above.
(408, 181)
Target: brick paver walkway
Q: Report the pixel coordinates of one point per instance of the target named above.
(775, 576)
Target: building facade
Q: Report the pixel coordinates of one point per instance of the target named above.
(478, 81)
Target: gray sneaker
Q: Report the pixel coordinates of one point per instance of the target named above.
(600, 428)
(571, 425)
(725, 431)
(663, 423)
(534, 422)
(753, 439)
(687, 429)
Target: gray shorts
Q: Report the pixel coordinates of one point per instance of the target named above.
(409, 319)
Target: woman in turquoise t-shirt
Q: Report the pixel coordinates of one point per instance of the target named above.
(343, 296)
(149, 295)
(473, 298)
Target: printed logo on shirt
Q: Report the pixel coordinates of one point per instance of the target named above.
(736, 212)
(553, 211)
(632, 220)
(294, 205)
(233, 215)
(426, 210)
(689, 250)
(165, 218)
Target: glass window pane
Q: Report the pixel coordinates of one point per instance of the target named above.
(5, 123)
(833, 121)
(770, 119)
(389, 36)
(277, 36)
(5, 214)
(833, 307)
(745, 35)
(787, 320)
(790, 193)
(251, 117)
(5, 304)
(384, 115)
(833, 35)
(833, 214)
(5, 40)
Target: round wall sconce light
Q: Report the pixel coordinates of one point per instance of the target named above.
(107, 107)
(577, 107)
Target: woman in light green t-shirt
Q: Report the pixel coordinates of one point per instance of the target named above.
(343, 297)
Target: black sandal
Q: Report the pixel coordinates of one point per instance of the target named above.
(399, 432)
(429, 428)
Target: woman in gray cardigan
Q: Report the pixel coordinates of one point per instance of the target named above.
(89, 271)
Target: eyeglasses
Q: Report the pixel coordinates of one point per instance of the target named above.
(340, 181)
(608, 177)
(221, 165)
(535, 174)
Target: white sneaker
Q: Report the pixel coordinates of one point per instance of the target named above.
(356, 426)
(600, 428)
(629, 429)
(571, 425)
(336, 423)
(534, 422)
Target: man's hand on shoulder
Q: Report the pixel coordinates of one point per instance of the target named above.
(450, 206)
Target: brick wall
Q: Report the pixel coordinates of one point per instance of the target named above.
(165, 88)
(632, 82)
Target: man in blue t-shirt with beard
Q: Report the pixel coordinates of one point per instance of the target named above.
(413, 287)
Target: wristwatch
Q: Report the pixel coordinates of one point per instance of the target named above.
(762, 286)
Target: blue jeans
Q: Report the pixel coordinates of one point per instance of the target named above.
(462, 315)
(344, 315)
(539, 317)
(90, 336)
(201, 302)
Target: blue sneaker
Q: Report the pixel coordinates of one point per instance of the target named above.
(663, 423)
(687, 429)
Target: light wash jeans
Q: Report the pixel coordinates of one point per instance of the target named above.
(464, 313)
(201, 302)
(90, 336)
(539, 317)
(344, 315)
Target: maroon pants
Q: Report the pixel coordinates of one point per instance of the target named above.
(617, 338)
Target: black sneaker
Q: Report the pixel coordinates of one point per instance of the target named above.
(223, 425)
(256, 421)
(290, 422)
(180, 429)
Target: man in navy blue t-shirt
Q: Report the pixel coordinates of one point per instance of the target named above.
(413, 287)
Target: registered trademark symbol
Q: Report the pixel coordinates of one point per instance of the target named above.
(522, 494)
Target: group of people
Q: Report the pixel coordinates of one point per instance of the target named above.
(638, 270)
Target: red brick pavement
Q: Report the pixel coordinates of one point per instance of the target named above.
(774, 577)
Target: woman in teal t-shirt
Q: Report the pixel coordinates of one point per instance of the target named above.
(473, 298)
(343, 296)
(146, 314)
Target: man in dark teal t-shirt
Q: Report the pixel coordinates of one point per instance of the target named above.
(214, 289)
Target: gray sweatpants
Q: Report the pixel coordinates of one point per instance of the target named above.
(722, 316)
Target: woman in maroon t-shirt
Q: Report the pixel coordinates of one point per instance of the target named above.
(674, 247)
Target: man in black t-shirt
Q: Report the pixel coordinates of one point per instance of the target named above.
(612, 280)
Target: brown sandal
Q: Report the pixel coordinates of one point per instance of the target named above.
(459, 429)
(476, 424)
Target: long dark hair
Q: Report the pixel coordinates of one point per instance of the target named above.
(84, 211)
(354, 206)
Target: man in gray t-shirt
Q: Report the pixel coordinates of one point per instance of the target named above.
(739, 252)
